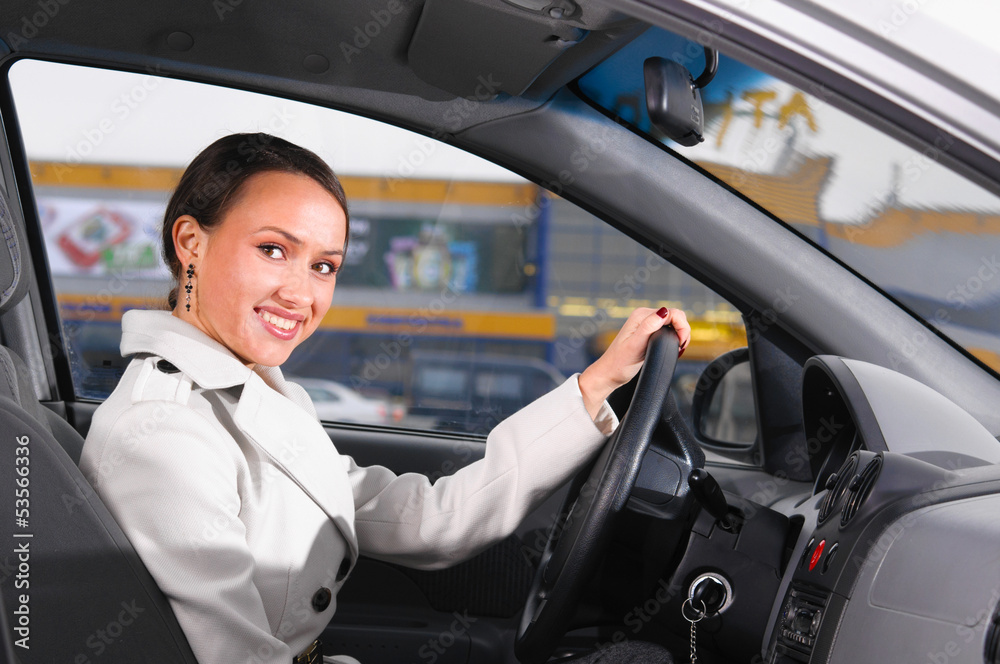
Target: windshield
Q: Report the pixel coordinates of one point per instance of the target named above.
(923, 234)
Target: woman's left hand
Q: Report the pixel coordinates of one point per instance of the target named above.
(623, 358)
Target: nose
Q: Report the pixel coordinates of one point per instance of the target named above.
(296, 289)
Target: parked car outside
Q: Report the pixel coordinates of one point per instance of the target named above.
(338, 403)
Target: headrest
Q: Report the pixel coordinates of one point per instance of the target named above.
(13, 276)
(15, 384)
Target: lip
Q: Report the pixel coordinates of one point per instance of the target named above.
(284, 335)
(277, 311)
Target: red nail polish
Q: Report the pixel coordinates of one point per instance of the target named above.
(682, 351)
(662, 312)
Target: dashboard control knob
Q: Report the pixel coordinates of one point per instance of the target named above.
(814, 625)
(803, 620)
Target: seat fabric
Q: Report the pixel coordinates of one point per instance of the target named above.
(72, 585)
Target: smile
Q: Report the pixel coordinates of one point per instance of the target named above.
(283, 328)
(277, 321)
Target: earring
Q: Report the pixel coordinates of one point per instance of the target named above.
(187, 286)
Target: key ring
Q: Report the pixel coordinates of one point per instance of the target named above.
(700, 614)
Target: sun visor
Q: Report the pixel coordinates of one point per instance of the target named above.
(504, 46)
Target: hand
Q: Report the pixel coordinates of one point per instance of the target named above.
(623, 358)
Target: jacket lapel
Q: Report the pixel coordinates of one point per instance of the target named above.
(278, 418)
(297, 443)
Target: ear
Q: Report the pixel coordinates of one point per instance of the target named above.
(190, 239)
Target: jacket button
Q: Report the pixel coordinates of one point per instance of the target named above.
(166, 367)
(321, 600)
(345, 567)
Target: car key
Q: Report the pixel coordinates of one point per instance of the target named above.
(694, 626)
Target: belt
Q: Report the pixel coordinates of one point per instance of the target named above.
(311, 655)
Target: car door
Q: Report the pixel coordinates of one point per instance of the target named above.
(449, 256)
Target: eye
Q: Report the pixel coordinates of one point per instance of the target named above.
(272, 250)
(326, 268)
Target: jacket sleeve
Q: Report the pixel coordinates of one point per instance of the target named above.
(170, 480)
(407, 520)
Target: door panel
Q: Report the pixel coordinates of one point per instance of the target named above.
(389, 614)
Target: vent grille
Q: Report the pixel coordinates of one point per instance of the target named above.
(861, 489)
(833, 496)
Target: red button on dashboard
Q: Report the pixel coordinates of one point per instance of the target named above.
(816, 554)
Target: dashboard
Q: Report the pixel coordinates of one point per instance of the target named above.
(897, 559)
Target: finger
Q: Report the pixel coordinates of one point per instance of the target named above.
(680, 322)
(635, 320)
(654, 321)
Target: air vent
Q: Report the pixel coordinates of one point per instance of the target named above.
(834, 495)
(860, 489)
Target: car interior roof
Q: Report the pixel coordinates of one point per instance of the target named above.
(319, 51)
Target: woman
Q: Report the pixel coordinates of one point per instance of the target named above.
(218, 470)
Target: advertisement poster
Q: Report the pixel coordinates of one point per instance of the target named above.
(95, 237)
(413, 255)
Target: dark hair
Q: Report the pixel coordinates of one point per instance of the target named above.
(213, 181)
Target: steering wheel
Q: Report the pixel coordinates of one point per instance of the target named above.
(577, 542)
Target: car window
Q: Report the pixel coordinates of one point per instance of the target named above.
(923, 234)
(466, 293)
(317, 394)
(499, 385)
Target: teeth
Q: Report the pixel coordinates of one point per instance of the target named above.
(277, 321)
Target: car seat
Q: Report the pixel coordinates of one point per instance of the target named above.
(73, 588)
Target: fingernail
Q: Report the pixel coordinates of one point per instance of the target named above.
(682, 351)
(662, 312)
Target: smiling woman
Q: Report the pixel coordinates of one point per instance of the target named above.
(290, 184)
(269, 271)
(273, 519)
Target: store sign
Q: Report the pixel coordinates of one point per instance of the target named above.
(95, 237)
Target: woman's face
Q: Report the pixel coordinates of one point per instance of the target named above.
(264, 276)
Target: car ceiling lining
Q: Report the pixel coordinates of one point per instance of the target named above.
(282, 49)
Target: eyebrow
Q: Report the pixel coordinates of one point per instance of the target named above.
(294, 240)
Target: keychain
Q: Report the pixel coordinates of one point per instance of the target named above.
(694, 625)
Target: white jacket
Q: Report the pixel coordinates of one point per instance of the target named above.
(250, 520)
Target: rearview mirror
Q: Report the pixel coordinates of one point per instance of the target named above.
(673, 97)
